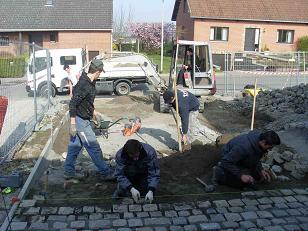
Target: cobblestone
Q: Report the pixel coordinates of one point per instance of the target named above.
(233, 217)
(210, 226)
(230, 224)
(266, 210)
(247, 225)
(150, 207)
(135, 208)
(78, 224)
(19, 225)
(184, 213)
(263, 223)
(197, 219)
(190, 228)
(179, 221)
(249, 215)
(171, 213)
(39, 226)
(135, 222)
(27, 203)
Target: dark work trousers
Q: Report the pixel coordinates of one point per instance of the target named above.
(225, 177)
(138, 178)
(180, 79)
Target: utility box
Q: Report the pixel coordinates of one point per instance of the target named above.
(15, 180)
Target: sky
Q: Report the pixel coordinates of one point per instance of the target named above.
(145, 10)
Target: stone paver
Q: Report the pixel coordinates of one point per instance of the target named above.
(283, 209)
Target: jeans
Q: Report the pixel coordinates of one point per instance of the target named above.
(85, 138)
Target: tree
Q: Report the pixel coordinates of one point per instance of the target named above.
(149, 34)
(121, 24)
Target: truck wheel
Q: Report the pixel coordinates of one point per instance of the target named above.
(43, 92)
(163, 108)
(122, 88)
(201, 107)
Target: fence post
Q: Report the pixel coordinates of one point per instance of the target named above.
(48, 77)
(304, 58)
(34, 84)
(225, 75)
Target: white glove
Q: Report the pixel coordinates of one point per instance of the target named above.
(135, 194)
(149, 196)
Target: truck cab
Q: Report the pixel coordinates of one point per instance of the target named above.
(75, 58)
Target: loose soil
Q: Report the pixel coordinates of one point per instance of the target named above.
(178, 170)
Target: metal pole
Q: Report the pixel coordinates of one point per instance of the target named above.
(138, 48)
(254, 105)
(48, 78)
(233, 87)
(162, 38)
(34, 83)
(227, 73)
(304, 57)
(298, 67)
(225, 69)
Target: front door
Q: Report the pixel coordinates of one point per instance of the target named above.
(252, 39)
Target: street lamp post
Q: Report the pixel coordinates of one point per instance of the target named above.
(162, 38)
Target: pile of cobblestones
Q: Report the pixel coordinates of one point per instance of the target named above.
(282, 163)
(283, 209)
(287, 100)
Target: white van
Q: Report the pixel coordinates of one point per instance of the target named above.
(75, 58)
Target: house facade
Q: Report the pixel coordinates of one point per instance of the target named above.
(57, 24)
(242, 25)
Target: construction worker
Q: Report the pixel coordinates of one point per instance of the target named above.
(81, 109)
(188, 111)
(240, 166)
(137, 171)
(72, 79)
(186, 67)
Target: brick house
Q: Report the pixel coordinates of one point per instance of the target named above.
(242, 25)
(55, 24)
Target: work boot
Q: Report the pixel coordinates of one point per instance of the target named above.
(75, 176)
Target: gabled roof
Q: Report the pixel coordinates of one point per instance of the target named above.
(31, 15)
(295, 11)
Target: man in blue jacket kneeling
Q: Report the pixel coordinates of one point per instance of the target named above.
(137, 171)
(240, 165)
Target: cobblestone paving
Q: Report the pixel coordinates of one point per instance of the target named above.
(260, 210)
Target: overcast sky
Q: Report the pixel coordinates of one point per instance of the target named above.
(145, 10)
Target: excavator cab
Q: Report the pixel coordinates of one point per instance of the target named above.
(195, 58)
(192, 68)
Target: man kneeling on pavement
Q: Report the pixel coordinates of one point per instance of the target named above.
(137, 171)
(240, 166)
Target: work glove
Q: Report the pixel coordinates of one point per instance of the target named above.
(135, 194)
(73, 130)
(149, 196)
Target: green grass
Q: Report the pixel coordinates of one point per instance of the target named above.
(155, 58)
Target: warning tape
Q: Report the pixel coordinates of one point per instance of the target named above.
(273, 73)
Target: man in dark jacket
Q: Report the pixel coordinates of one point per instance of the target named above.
(240, 165)
(188, 111)
(81, 111)
(137, 170)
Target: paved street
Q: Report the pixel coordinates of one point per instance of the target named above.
(237, 80)
(284, 209)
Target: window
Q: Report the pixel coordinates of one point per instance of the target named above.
(219, 33)
(40, 64)
(69, 60)
(285, 36)
(4, 41)
(54, 37)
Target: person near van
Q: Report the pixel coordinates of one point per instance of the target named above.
(72, 79)
(240, 165)
(137, 171)
(81, 109)
(188, 111)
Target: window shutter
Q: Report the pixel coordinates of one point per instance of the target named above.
(212, 34)
(224, 34)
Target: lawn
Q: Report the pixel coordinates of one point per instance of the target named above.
(155, 58)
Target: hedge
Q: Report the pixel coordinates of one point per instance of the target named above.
(302, 44)
(12, 67)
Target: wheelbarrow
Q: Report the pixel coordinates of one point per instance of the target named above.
(102, 129)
